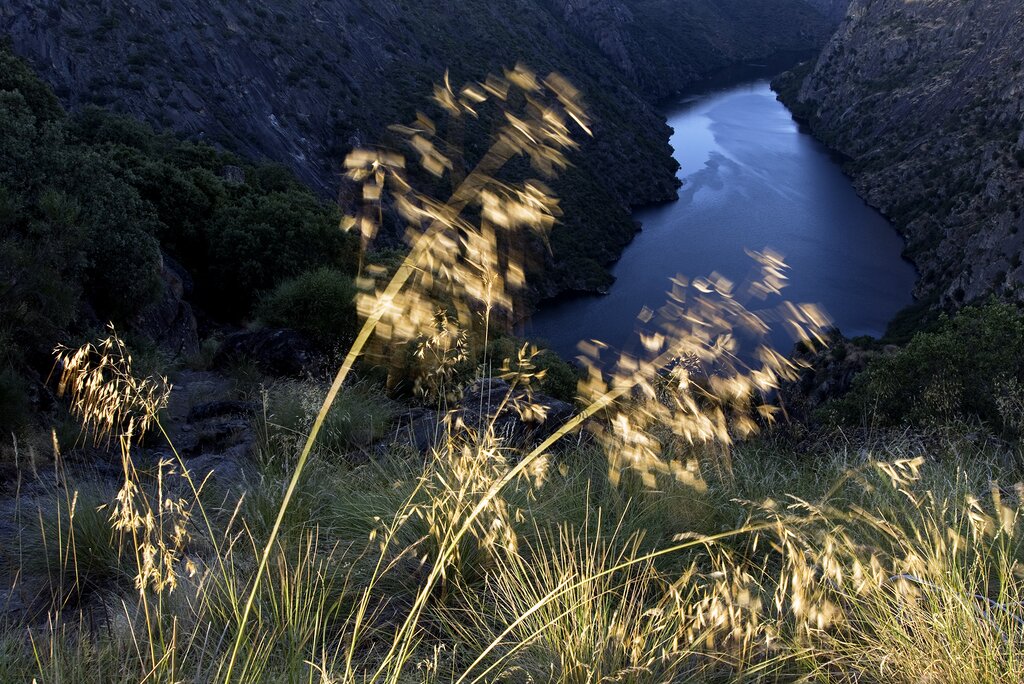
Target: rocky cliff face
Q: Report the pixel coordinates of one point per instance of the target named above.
(927, 100)
(301, 82)
(663, 45)
(835, 10)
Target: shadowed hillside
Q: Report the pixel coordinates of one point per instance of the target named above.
(302, 83)
(926, 99)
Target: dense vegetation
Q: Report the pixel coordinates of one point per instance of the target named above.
(967, 367)
(345, 69)
(93, 208)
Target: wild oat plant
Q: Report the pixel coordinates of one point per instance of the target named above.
(650, 538)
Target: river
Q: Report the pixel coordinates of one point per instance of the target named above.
(752, 178)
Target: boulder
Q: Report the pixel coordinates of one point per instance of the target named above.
(210, 428)
(420, 427)
(233, 175)
(485, 402)
(169, 321)
(492, 400)
(279, 352)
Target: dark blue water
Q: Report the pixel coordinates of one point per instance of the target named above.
(752, 179)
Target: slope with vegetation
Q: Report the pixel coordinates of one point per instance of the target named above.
(925, 101)
(241, 527)
(104, 220)
(662, 533)
(303, 83)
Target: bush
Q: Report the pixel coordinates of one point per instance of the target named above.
(16, 76)
(14, 405)
(953, 372)
(560, 378)
(360, 415)
(319, 304)
(258, 241)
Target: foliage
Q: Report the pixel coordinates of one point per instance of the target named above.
(560, 377)
(955, 371)
(238, 229)
(361, 415)
(920, 316)
(258, 242)
(15, 75)
(91, 204)
(665, 547)
(319, 304)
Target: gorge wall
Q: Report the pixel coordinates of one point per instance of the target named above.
(302, 82)
(926, 101)
(663, 45)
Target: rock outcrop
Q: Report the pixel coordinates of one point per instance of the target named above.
(169, 321)
(664, 45)
(926, 100)
(834, 10)
(276, 352)
(488, 403)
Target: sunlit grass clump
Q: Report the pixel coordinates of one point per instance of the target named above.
(650, 538)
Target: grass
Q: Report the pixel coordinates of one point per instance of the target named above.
(843, 568)
(664, 534)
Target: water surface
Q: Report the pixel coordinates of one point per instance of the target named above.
(752, 179)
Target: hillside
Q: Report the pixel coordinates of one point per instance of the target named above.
(832, 9)
(926, 100)
(663, 45)
(301, 83)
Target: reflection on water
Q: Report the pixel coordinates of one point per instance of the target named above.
(752, 179)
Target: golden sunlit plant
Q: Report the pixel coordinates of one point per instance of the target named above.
(466, 265)
(114, 405)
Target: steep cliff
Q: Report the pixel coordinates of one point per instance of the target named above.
(926, 99)
(663, 45)
(834, 10)
(302, 82)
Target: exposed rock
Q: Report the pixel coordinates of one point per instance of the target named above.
(488, 401)
(227, 469)
(834, 10)
(926, 99)
(210, 428)
(829, 375)
(222, 407)
(278, 352)
(232, 175)
(169, 321)
(300, 83)
(664, 45)
(420, 427)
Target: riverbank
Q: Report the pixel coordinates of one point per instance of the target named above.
(752, 179)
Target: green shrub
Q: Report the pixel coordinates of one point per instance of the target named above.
(360, 415)
(15, 75)
(261, 240)
(911, 319)
(14, 405)
(953, 372)
(91, 203)
(560, 378)
(320, 304)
